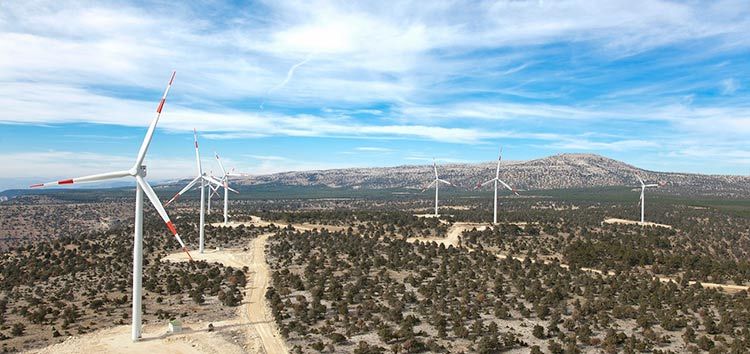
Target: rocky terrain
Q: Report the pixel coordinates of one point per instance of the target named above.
(554, 172)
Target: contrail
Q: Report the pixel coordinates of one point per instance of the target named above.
(289, 75)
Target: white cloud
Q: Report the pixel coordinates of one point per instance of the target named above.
(572, 144)
(372, 149)
(103, 62)
(729, 86)
(68, 164)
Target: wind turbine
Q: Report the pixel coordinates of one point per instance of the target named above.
(643, 196)
(225, 181)
(436, 182)
(498, 180)
(214, 191)
(203, 179)
(138, 171)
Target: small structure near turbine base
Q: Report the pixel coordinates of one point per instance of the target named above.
(175, 326)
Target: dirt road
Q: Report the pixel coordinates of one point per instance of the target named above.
(254, 314)
(258, 314)
(633, 222)
(254, 220)
(452, 236)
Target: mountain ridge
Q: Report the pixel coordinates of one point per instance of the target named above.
(561, 171)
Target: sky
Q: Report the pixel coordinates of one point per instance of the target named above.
(290, 85)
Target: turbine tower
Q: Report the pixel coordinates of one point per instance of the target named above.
(213, 191)
(436, 182)
(205, 181)
(225, 182)
(497, 180)
(643, 196)
(138, 171)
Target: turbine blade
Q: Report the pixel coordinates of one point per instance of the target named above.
(197, 153)
(507, 186)
(434, 166)
(428, 186)
(639, 179)
(488, 182)
(90, 178)
(152, 127)
(499, 158)
(223, 171)
(163, 213)
(187, 188)
(212, 182)
(444, 181)
(215, 181)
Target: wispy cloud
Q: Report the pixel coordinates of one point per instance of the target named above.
(372, 149)
(729, 86)
(68, 164)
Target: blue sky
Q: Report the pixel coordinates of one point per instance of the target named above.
(287, 85)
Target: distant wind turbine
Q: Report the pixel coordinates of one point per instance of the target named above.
(204, 180)
(643, 196)
(497, 180)
(436, 182)
(214, 191)
(225, 182)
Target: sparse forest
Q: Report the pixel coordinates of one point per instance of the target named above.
(362, 275)
(81, 280)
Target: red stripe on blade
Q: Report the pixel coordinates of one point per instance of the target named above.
(170, 226)
(66, 181)
(172, 79)
(37, 185)
(161, 105)
(171, 200)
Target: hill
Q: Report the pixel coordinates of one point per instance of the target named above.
(554, 172)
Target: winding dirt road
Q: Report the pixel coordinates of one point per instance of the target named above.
(254, 316)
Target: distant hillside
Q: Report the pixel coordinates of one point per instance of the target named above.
(554, 172)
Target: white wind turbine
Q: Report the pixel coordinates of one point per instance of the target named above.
(225, 182)
(497, 180)
(138, 171)
(204, 180)
(643, 196)
(214, 191)
(436, 182)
